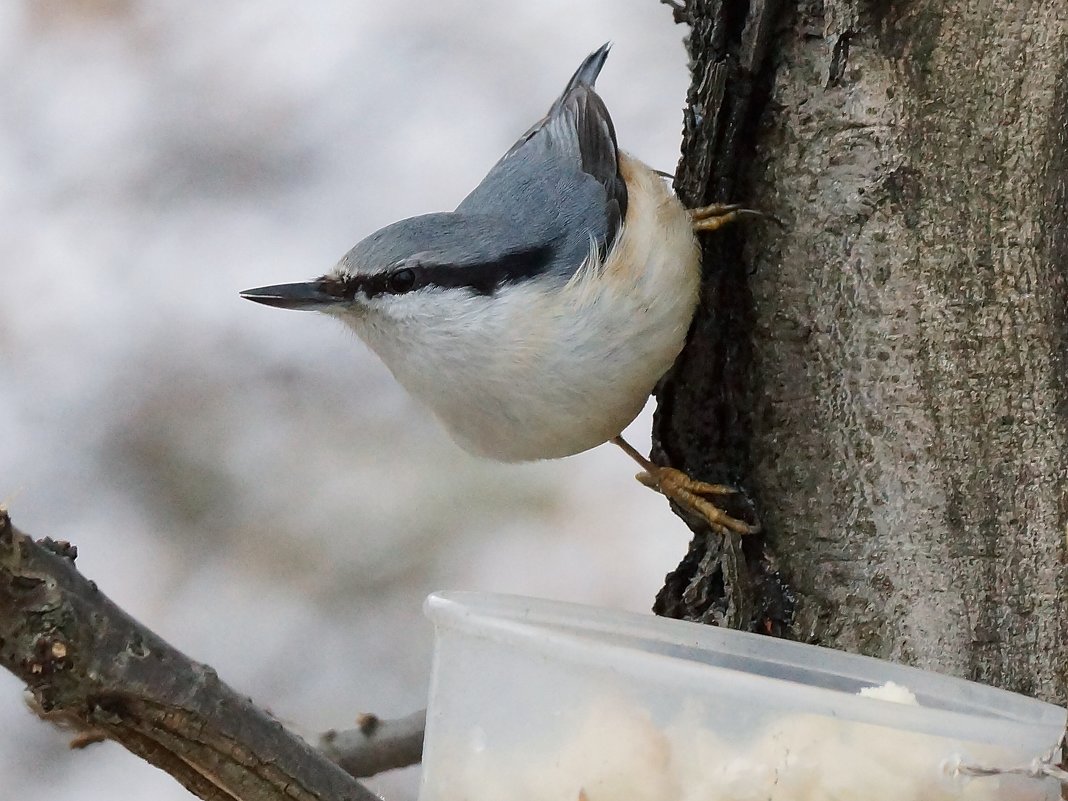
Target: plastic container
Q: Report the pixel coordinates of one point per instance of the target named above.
(534, 700)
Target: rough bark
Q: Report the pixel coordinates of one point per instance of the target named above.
(884, 375)
(93, 668)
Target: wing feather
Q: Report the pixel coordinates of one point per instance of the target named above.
(562, 176)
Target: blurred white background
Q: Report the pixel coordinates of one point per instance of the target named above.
(250, 482)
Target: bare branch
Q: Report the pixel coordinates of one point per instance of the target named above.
(377, 745)
(680, 10)
(89, 663)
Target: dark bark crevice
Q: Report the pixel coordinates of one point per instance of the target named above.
(702, 423)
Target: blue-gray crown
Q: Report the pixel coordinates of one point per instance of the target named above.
(535, 214)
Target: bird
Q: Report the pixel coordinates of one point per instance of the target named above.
(536, 318)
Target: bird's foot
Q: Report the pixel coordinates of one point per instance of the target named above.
(695, 496)
(715, 216)
(688, 493)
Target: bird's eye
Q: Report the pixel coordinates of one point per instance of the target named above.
(401, 281)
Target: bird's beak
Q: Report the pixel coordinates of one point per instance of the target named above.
(309, 296)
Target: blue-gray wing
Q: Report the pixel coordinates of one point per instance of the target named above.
(560, 182)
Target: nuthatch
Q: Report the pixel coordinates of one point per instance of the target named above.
(536, 318)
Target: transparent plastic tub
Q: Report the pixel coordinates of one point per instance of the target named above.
(534, 700)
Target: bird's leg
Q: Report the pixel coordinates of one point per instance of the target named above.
(687, 492)
(710, 218)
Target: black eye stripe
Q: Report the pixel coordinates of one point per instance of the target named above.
(395, 282)
(400, 281)
(482, 278)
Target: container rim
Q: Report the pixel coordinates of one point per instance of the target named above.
(983, 714)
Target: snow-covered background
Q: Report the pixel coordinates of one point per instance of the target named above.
(250, 482)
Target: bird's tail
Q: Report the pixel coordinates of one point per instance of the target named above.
(590, 68)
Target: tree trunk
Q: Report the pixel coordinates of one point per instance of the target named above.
(883, 375)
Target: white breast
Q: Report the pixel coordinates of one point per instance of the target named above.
(538, 370)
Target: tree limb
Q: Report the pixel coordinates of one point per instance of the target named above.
(97, 669)
(377, 745)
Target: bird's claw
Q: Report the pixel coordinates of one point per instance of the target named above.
(693, 495)
(716, 215)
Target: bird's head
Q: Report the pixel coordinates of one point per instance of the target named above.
(413, 271)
